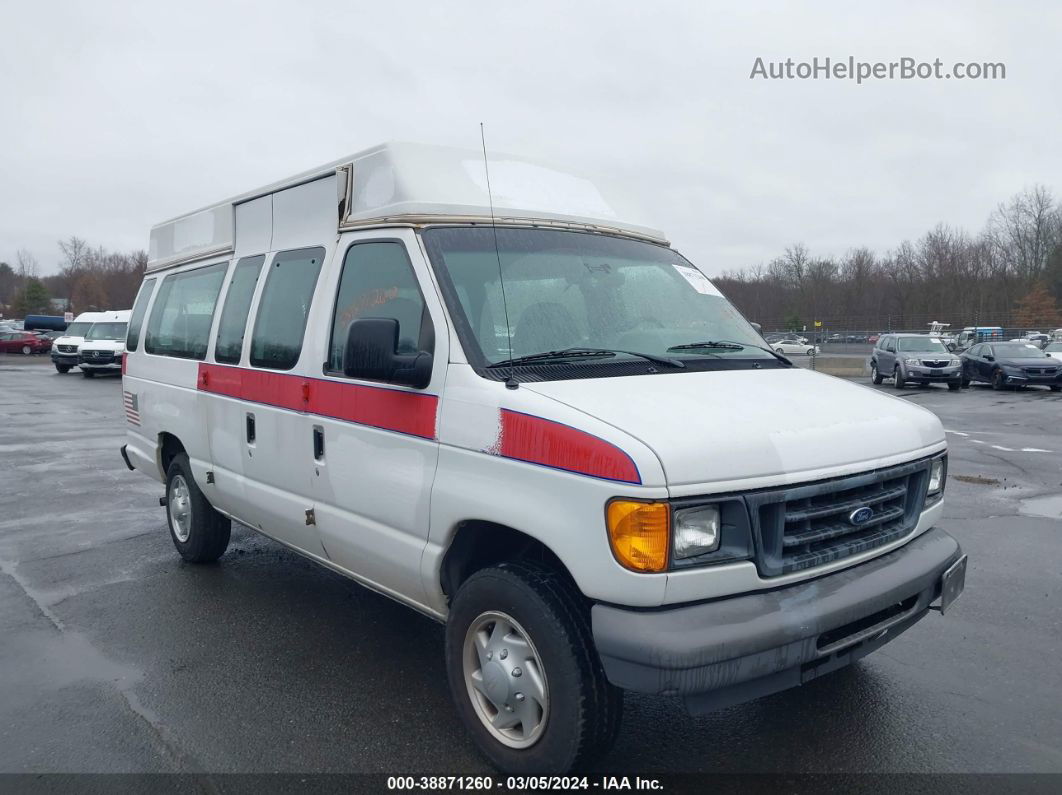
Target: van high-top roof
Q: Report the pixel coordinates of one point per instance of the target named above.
(394, 184)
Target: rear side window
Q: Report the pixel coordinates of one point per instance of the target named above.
(280, 323)
(229, 345)
(139, 310)
(378, 281)
(184, 309)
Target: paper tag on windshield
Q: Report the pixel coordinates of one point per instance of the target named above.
(698, 281)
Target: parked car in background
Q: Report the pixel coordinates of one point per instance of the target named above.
(64, 349)
(789, 346)
(1037, 338)
(914, 359)
(873, 338)
(25, 342)
(1010, 364)
(104, 344)
(971, 335)
(1054, 350)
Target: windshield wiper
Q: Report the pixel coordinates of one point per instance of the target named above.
(574, 353)
(728, 345)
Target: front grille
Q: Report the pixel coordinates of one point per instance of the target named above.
(67, 349)
(1041, 371)
(805, 526)
(936, 363)
(97, 357)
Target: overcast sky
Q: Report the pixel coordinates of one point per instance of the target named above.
(118, 115)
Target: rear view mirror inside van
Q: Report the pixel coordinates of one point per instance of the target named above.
(372, 354)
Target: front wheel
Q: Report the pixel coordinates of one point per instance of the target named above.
(524, 674)
(62, 368)
(1056, 388)
(875, 376)
(954, 386)
(199, 532)
(999, 380)
(897, 375)
(26, 350)
(965, 383)
(87, 373)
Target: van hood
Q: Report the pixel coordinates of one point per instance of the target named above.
(720, 426)
(116, 346)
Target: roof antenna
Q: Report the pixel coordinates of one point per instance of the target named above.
(510, 382)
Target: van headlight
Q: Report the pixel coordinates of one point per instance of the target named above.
(938, 473)
(696, 531)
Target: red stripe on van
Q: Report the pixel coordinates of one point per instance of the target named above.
(553, 444)
(388, 409)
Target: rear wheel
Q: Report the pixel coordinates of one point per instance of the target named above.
(199, 532)
(26, 350)
(523, 671)
(62, 368)
(875, 376)
(897, 375)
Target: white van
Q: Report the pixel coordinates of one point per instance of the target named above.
(104, 344)
(537, 423)
(64, 349)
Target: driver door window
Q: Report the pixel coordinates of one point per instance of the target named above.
(378, 281)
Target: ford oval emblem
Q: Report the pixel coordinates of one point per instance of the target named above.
(861, 515)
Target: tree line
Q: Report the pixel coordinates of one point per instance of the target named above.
(90, 278)
(1009, 274)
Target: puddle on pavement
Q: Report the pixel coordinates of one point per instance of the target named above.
(1049, 506)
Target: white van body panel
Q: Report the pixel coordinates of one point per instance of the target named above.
(111, 349)
(715, 430)
(70, 344)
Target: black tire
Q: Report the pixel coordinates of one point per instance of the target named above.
(26, 350)
(62, 368)
(997, 380)
(953, 386)
(965, 383)
(1054, 388)
(584, 708)
(875, 376)
(87, 373)
(208, 530)
(900, 381)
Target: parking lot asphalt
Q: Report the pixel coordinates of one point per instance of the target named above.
(115, 656)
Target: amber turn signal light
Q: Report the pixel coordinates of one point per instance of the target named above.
(639, 533)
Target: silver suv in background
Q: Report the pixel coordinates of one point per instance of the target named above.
(915, 359)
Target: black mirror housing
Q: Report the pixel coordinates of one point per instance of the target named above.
(372, 354)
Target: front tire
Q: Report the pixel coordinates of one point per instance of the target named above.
(954, 386)
(998, 382)
(875, 376)
(199, 532)
(524, 674)
(62, 368)
(26, 350)
(88, 373)
(897, 375)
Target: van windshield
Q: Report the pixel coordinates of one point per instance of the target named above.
(106, 331)
(77, 329)
(582, 290)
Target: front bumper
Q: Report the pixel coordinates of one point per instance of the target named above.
(64, 358)
(1026, 378)
(727, 651)
(929, 374)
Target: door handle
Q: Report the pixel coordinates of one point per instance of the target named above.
(318, 443)
(250, 428)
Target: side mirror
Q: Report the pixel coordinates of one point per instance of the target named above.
(372, 354)
(989, 357)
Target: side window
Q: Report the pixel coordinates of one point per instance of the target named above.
(229, 345)
(139, 310)
(280, 323)
(378, 281)
(890, 345)
(975, 350)
(184, 308)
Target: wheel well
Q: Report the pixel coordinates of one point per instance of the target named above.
(169, 447)
(479, 544)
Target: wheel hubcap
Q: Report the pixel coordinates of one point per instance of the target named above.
(180, 508)
(505, 680)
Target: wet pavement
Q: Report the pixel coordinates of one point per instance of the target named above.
(115, 656)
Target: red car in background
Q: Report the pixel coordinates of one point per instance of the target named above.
(23, 342)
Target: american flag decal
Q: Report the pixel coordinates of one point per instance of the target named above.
(132, 407)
